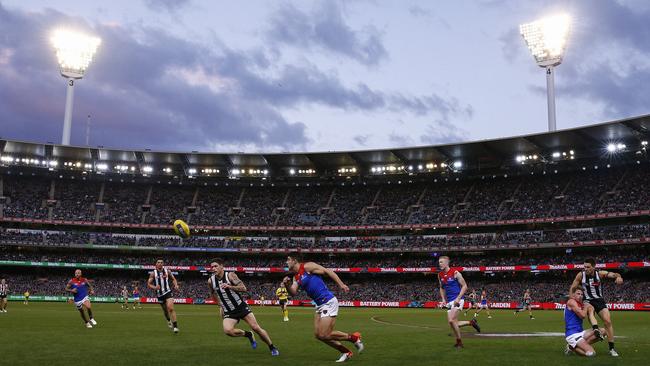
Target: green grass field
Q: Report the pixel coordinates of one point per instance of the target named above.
(53, 334)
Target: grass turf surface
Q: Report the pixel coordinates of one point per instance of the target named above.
(53, 334)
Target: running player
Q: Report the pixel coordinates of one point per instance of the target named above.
(579, 340)
(483, 305)
(308, 277)
(526, 304)
(136, 297)
(472, 302)
(159, 281)
(4, 292)
(589, 280)
(125, 298)
(452, 290)
(80, 287)
(26, 296)
(225, 287)
(283, 296)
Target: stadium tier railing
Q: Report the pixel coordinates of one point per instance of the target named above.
(635, 213)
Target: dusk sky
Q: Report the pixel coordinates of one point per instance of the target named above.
(274, 76)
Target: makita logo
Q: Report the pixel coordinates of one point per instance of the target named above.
(472, 269)
(621, 306)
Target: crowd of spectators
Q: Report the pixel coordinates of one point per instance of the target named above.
(636, 253)
(481, 240)
(448, 200)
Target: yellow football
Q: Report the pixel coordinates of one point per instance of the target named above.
(182, 229)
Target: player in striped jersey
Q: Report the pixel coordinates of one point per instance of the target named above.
(159, 281)
(125, 298)
(4, 292)
(226, 288)
(526, 304)
(283, 298)
(589, 280)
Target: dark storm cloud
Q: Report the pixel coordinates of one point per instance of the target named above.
(325, 28)
(148, 89)
(606, 59)
(166, 5)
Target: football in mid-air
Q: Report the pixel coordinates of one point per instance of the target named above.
(181, 229)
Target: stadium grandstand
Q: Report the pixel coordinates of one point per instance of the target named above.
(514, 213)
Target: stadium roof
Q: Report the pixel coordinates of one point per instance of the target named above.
(589, 142)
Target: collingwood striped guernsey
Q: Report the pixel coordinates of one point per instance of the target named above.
(230, 300)
(591, 286)
(4, 289)
(161, 279)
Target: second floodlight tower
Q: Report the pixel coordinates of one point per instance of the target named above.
(547, 39)
(74, 52)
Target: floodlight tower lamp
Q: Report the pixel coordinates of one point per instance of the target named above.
(74, 52)
(547, 39)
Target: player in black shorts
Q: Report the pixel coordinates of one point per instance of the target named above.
(526, 304)
(226, 288)
(589, 280)
(4, 292)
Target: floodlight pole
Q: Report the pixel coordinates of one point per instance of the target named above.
(67, 119)
(550, 94)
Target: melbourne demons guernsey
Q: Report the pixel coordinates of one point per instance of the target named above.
(314, 286)
(81, 285)
(572, 322)
(450, 284)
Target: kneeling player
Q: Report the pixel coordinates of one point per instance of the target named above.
(579, 340)
(80, 287)
(452, 289)
(226, 287)
(308, 277)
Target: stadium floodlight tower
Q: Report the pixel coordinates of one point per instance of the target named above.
(74, 52)
(547, 39)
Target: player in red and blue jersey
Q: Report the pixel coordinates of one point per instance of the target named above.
(452, 293)
(579, 340)
(307, 276)
(80, 287)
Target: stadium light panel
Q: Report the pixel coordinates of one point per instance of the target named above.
(147, 169)
(191, 171)
(102, 166)
(644, 143)
(458, 164)
(74, 51)
(556, 154)
(547, 38)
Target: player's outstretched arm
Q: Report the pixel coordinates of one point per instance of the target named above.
(577, 283)
(618, 279)
(443, 295)
(90, 287)
(315, 268)
(237, 284)
(212, 294)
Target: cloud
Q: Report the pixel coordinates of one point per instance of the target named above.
(325, 28)
(134, 99)
(149, 89)
(443, 132)
(361, 139)
(166, 5)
